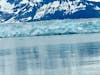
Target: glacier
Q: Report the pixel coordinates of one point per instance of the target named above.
(37, 10)
(50, 27)
(26, 18)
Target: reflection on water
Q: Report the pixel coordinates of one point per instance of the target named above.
(51, 59)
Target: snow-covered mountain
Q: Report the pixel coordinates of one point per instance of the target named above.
(35, 10)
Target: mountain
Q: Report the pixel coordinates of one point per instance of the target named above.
(36, 10)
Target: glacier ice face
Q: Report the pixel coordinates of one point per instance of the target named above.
(53, 27)
(33, 10)
(12, 12)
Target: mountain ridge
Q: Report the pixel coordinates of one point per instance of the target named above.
(36, 10)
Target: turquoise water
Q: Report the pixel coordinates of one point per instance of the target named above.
(51, 27)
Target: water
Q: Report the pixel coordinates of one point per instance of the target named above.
(77, 54)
